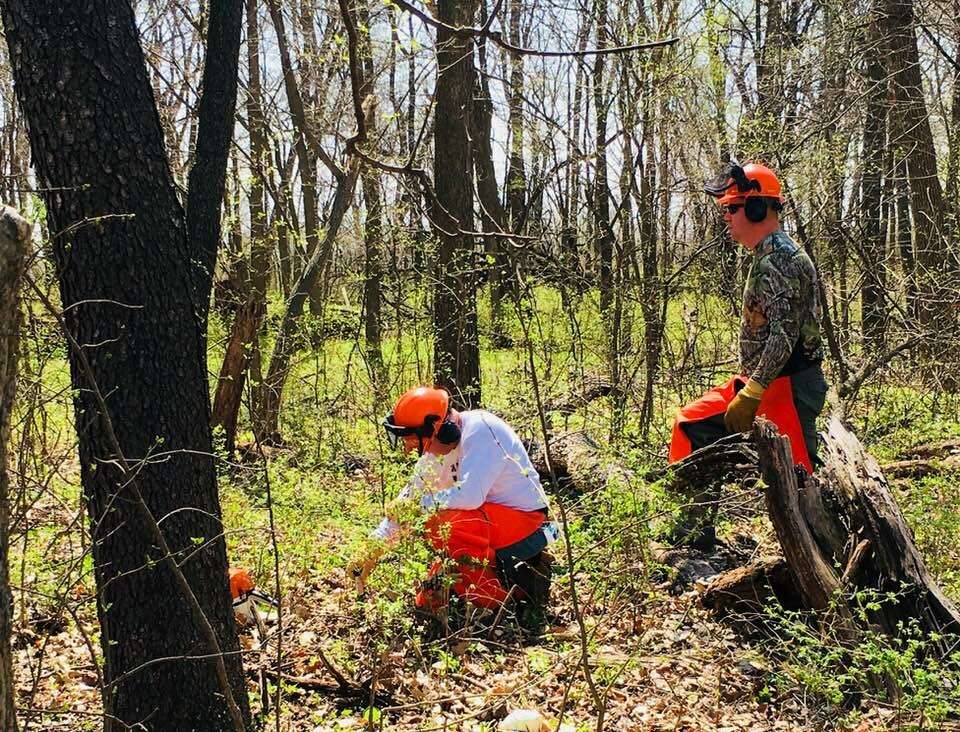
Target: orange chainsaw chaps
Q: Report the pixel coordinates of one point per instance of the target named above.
(776, 404)
(471, 538)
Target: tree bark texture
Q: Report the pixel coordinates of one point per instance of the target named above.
(936, 266)
(216, 111)
(14, 236)
(456, 348)
(243, 348)
(127, 284)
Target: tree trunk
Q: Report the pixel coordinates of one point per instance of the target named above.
(873, 315)
(128, 287)
(243, 348)
(373, 232)
(516, 169)
(304, 143)
(14, 237)
(952, 188)
(216, 110)
(601, 196)
(936, 292)
(493, 216)
(456, 349)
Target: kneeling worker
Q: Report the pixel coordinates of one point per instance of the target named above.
(780, 350)
(487, 507)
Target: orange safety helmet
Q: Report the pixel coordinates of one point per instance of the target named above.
(736, 183)
(419, 411)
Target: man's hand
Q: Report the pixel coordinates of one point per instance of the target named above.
(742, 410)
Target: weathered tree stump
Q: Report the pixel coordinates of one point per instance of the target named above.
(842, 533)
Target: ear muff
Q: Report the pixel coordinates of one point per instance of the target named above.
(755, 209)
(449, 433)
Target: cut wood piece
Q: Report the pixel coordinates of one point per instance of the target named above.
(746, 590)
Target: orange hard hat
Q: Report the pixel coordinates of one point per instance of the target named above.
(418, 412)
(240, 583)
(736, 183)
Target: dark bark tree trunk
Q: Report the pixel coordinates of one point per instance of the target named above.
(304, 144)
(936, 295)
(14, 238)
(493, 216)
(373, 232)
(128, 286)
(216, 109)
(873, 314)
(243, 348)
(516, 169)
(952, 188)
(570, 244)
(456, 349)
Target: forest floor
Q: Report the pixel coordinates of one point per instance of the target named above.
(657, 659)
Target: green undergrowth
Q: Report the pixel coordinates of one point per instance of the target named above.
(328, 484)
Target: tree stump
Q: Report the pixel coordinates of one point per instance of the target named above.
(842, 533)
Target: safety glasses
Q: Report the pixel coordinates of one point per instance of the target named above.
(732, 208)
(396, 433)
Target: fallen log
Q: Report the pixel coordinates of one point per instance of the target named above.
(746, 590)
(578, 464)
(921, 467)
(592, 386)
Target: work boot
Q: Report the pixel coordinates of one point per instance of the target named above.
(532, 578)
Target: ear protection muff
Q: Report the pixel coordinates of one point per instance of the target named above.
(449, 433)
(755, 208)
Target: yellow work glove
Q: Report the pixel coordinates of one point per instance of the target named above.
(743, 408)
(362, 565)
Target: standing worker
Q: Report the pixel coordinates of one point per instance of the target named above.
(487, 507)
(780, 351)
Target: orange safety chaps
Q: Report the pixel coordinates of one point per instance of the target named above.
(776, 404)
(471, 538)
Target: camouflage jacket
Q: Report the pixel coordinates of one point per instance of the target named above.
(780, 331)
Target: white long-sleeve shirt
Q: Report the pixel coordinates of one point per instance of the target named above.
(488, 464)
